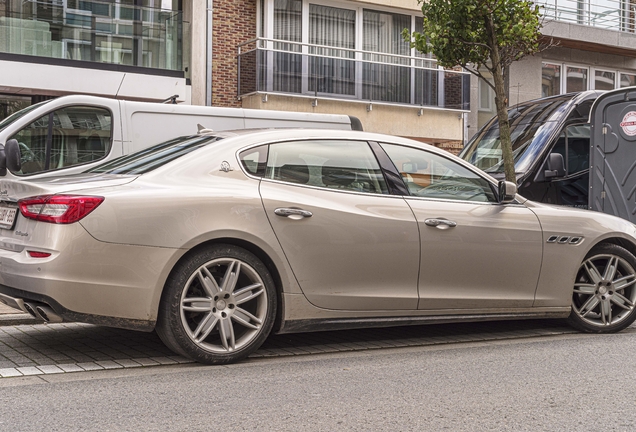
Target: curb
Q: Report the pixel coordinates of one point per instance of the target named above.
(17, 319)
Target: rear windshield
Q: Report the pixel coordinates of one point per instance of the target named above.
(531, 125)
(153, 157)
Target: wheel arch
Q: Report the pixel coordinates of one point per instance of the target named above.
(619, 241)
(252, 248)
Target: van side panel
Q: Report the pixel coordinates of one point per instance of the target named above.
(285, 119)
(147, 129)
(150, 124)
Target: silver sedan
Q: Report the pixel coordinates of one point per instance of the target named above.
(217, 240)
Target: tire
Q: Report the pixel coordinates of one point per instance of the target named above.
(604, 295)
(218, 305)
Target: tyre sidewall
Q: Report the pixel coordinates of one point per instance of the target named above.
(169, 325)
(575, 321)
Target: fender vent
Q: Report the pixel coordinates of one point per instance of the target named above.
(564, 239)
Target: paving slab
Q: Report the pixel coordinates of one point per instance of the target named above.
(39, 349)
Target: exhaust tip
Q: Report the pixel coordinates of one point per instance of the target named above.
(48, 314)
(31, 310)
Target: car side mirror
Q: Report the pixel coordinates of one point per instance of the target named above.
(507, 191)
(13, 156)
(3, 162)
(556, 166)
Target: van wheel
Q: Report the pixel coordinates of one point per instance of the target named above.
(218, 306)
(604, 295)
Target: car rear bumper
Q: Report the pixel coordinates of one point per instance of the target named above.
(88, 280)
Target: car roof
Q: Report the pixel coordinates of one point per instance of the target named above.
(250, 137)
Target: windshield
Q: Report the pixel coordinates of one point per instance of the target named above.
(153, 157)
(16, 115)
(531, 125)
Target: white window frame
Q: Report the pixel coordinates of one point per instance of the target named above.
(268, 33)
(591, 77)
(482, 108)
(593, 71)
(564, 76)
(624, 73)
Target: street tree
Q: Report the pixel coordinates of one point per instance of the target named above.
(481, 35)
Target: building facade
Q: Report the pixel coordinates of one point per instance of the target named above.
(323, 56)
(132, 49)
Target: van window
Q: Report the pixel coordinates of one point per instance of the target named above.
(66, 137)
(574, 145)
(531, 126)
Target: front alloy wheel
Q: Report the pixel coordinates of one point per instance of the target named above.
(604, 298)
(218, 307)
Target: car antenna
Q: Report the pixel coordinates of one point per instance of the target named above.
(203, 129)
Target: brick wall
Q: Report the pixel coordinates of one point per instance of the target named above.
(453, 147)
(453, 91)
(234, 23)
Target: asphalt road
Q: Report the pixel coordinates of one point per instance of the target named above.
(565, 382)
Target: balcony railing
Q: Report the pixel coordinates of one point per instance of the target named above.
(95, 31)
(283, 67)
(619, 15)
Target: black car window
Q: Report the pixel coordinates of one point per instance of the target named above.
(153, 157)
(332, 164)
(430, 175)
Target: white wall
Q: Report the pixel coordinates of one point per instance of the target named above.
(32, 78)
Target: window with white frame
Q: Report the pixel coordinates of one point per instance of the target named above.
(628, 80)
(550, 79)
(485, 96)
(578, 78)
(604, 80)
(345, 49)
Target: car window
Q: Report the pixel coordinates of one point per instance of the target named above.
(254, 160)
(574, 145)
(63, 138)
(333, 164)
(432, 176)
(156, 156)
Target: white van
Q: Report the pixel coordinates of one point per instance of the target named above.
(72, 133)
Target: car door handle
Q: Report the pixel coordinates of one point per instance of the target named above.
(288, 212)
(440, 223)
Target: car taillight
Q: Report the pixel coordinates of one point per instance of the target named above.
(59, 209)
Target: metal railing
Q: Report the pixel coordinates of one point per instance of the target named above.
(619, 15)
(294, 68)
(96, 31)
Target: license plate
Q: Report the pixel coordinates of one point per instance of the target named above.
(7, 216)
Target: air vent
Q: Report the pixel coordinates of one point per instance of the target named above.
(553, 239)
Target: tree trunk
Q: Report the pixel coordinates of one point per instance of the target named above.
(501, 102)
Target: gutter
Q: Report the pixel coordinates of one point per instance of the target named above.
(208, 53)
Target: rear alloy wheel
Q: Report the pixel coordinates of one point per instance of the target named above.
(218, 306)
(604, 298)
